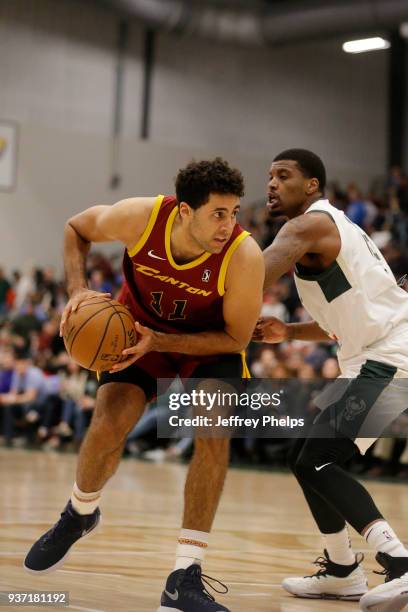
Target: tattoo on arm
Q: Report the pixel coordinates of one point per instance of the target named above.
(287, 248)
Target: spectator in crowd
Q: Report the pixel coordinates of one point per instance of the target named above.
(22, 404)
(26, 322)
(356, 208)
(23, 287)
(273, 305)
(78, 392)
(7, 362)
(97, 282)
(47, 286)
(5, 287)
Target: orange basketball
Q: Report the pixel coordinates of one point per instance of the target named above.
(97, 333)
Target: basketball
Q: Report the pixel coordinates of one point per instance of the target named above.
(97, 332)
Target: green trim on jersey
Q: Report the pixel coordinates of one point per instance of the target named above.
(331, 281)
(324, 212)
(377, 369)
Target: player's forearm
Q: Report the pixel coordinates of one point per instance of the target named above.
(75, 252)
(307, 331)
(275, 267)
(203, 343)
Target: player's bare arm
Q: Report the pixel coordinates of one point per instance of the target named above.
(272, 330)
(124, 221)
(243, 286)
(310, 234)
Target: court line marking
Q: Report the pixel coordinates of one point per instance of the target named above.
(220, 554)
(86, 609)
(85, 573)
(256, 584)
(255, 595)
(175, 529)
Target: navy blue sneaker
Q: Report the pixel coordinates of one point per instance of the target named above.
(186, 592)
(51, 550)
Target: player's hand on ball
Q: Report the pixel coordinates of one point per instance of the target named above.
(76, 298)
(270, 329)
(146, 343)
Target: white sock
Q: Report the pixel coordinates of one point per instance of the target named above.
(338, 547)
(384, 539)
(191, 548)
(84, 503)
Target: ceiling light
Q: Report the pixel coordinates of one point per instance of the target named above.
(403, 29)
(366, 44)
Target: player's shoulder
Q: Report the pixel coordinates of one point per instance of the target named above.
(142, 208)
(247, 249)
(126, 219)
(136, 210)
(313, 223)
(246, 259)
(246, 266)
(134, 205)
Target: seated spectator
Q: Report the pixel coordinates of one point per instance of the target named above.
(273, 306)
(263, 366)
(26, 322)
(356, 208)
(97, 282)
(22, 405)
(52, 403)
(23, 287)
(7, 362)
(4, 289)
(330, 368)
(78, 391)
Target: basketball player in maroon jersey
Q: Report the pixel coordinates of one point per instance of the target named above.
(188, 269)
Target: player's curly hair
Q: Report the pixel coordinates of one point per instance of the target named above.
(198, 180)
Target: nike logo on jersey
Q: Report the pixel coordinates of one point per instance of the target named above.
(151, 254)
(322, 466)
(174, 596)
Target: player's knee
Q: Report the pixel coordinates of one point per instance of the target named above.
(109, 429)
(312, 465)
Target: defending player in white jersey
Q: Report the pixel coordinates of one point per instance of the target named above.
(349, 290)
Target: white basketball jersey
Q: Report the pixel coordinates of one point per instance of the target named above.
(356, 300)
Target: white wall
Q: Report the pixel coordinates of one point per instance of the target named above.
(57, 64)
(63, 172)
(57, 74)
(264, 100)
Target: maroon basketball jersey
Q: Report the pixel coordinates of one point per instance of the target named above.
(171, 297)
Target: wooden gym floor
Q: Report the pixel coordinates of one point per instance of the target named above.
(262, 533)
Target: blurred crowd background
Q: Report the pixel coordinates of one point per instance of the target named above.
(46, 400)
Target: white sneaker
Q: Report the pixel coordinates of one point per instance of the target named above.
(328, 582)
(393, 595)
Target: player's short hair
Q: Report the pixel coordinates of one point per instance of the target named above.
(198, 180)
(309, 163)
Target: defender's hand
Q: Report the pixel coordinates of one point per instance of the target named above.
(270, 329)
(76, 298)
(147, 342)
